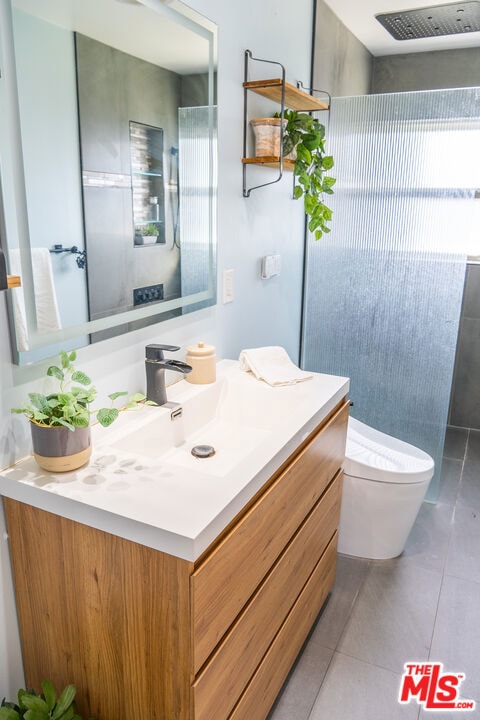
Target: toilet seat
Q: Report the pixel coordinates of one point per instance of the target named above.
(373, 455)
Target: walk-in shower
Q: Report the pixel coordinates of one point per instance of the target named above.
(383, 291)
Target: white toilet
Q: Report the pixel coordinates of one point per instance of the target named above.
(385, 481)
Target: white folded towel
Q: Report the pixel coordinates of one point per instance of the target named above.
(272, 365)
(48, 316)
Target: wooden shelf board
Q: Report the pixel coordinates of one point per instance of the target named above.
(269, 161)
(13, 281)
(294, 97)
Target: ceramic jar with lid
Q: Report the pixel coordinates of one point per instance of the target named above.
(202, 359)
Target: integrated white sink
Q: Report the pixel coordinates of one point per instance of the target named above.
(144, 484)
(234, 416)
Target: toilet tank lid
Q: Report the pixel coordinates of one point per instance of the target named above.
(374, 455)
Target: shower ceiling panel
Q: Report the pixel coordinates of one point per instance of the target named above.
(433, 21)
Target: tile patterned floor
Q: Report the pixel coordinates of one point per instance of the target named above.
(423, 605)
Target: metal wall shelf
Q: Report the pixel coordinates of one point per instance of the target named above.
(287, 95)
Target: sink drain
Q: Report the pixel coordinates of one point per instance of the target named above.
(203, 451)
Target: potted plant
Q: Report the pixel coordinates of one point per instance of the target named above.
(148, 233)
(44, 706)
(60, 420)
(305, 136)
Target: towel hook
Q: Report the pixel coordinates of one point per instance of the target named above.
(80, 255)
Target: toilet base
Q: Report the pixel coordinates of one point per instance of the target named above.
(376, 517)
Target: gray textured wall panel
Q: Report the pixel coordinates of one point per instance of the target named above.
(342, 65)
(426, 71)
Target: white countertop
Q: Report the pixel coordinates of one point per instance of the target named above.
(177, 503)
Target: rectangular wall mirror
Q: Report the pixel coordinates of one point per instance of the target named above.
(108, 167)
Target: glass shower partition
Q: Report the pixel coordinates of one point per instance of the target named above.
(383, 290)
(197, 199)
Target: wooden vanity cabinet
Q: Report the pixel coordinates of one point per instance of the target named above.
(143, 634)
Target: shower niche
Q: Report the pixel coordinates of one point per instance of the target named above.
(148, 191)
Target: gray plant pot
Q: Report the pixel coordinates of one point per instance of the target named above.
(58, 449)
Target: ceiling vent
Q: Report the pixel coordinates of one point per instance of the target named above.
(433, 21)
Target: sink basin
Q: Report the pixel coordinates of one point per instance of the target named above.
(234, 415)
(154, 431)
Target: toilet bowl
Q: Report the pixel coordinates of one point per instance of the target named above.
(385, 481)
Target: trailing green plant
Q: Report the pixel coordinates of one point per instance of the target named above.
(306, 135)
(45, 706)
(69, 405)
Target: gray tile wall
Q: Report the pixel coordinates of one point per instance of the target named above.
(465, 399)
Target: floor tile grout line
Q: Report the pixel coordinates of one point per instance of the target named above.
(309, 716)
(464, 460)
(450, 535)
(335, 649)
(355, 600)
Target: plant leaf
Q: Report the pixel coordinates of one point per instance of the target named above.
(69, 713)
(49, 693)
(40, 417)
(66, 359)
(56, 372)
(35, 703)
(82, 420)
(64, 701)
(106, 416)
(7, 713)
(39, 401)
(327, 162)
(37, 715)
(116, 395)
(304, 153)
(65, 423)
(297, 192)
(81, 377)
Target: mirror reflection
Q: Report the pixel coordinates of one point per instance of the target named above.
(117, 119)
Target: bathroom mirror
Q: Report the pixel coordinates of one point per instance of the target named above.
(108, 167)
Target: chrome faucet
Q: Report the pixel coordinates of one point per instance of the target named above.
(155, 365)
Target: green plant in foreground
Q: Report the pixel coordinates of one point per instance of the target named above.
(46, 706)
(70, 404)
(306, 135)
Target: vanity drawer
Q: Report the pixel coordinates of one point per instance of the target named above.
(267, 681)
(224, 678)
(224, 582)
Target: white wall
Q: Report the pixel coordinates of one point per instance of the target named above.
(263, 312)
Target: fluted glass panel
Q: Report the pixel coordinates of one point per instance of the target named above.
(384, 289)
(197, 194)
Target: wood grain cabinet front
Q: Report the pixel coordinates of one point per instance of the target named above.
(140, 632)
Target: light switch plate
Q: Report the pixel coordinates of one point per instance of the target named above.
(227, 286)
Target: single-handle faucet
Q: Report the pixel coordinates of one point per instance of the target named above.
(155, 365)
